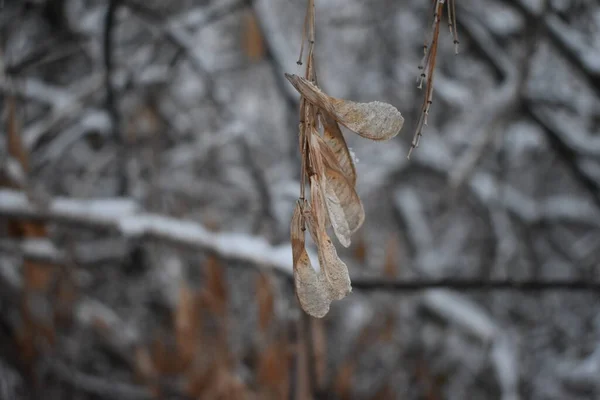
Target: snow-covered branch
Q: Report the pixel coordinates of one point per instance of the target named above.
(125, 217)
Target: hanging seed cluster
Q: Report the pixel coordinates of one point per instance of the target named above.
(328, 170)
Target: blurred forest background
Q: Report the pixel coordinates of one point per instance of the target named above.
(149, 169)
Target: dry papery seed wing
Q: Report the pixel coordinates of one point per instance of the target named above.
(310, 286)
(374, 120)
(344, 208)
(333, 268)
(343, 204)
(332, 134)
(338, 189)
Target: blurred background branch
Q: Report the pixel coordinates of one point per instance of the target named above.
(148, 172)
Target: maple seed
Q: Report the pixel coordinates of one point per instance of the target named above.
(344, 208)
(332, 268)
(310, 286)
(334, 139)
(374, 120)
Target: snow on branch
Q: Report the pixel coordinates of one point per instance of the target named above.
(125, 217)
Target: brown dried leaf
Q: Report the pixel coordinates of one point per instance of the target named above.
(15, 227)
(202, 380)
(266, 302)
(302, 376)
(235, 389)
(253, 42)
(360, 250)
(343, 381)
(37, 308)
(310, 288)
(215, 379)
(273, 370)
(334, 139)
(390, 269)
(216, 285)
(385, 393)
(144, 366)
(37, 277)
(319, 340)
(187, 325)
(165, 355)
(374, 120)
(145, 371)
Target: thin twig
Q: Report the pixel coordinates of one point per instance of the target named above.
(427, 67)
(112, 105)
(476, 285)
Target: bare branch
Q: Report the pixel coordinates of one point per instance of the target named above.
(112, 105)
(63, 110)
(475, 285)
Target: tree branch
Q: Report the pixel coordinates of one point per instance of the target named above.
(562, 36)
(488, 46)
(124, 217)
(476, 285)
(112, 106)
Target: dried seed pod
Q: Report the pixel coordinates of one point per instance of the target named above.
(333, 268)
(336, 215)
(334, 139)
(344, 208)
(374, 120)
(311, 290)
(343, 188)
(341, 197)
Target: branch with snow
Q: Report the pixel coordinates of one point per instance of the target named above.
(125, 217)
(562, 138)
(494, 111)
